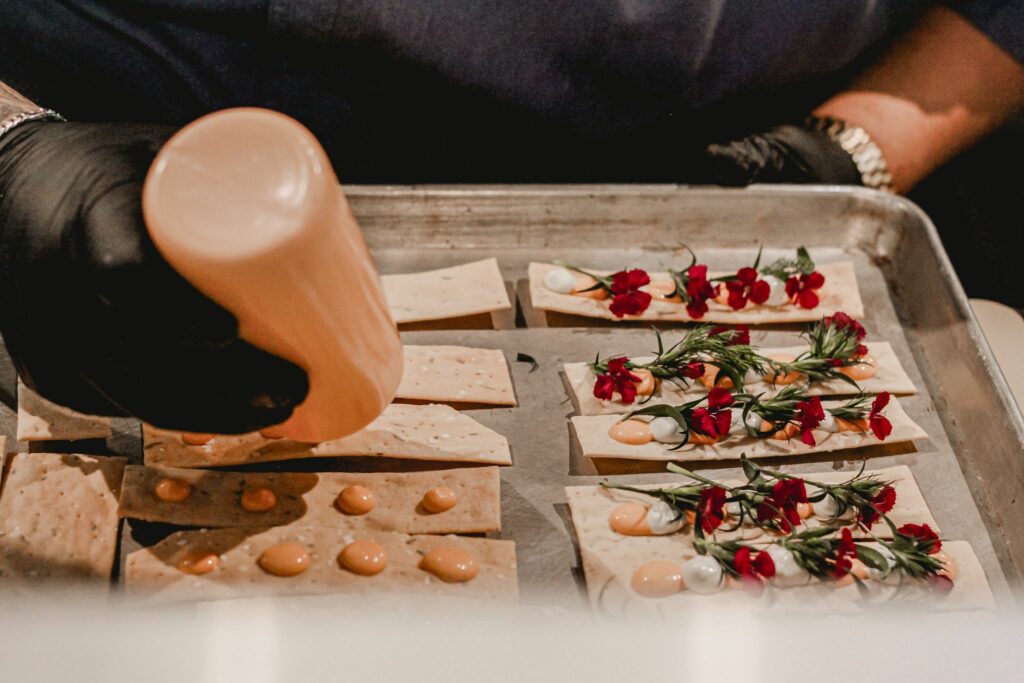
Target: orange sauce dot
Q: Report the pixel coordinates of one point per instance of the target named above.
(284, 559)
(711, 374)
(805, 510)
(858, 425)
(356, 500)
(631, 432)
(647, 383)
(662, 291)
(450, 563)
(630, 519)
(363, 557)
(440, 499)
(950, 569)
(172, 490)
(784, 434)
(584, 282)
(198, 563)
(782, 378)
(861, 371)
(658, 579)
(258, 499)
(702, 439)
(196, 439)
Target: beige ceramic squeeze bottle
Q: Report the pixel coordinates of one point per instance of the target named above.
(244, 204)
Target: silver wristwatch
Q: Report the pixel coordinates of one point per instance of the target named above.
(866, 155)
(16, 109)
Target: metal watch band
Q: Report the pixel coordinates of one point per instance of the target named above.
(866, 155)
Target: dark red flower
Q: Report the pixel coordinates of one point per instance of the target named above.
(861, 350)
(846, 552)
(842, 321)
(786, 494)
(693, 370)
(880, 425)
(698, 291)
(712, 508)
(715, 420)
(746, 286)
(810, 414)
(737, 335)
(923, 535)
(617, 378)
(802, 289)
(627, 297)
(753, 569)
(881, 503)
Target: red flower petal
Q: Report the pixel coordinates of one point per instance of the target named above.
(924, 535)
(719, 398)
(760, 291)
(792, 287)
(697, 308)
(747, 276)
(698, 272)
(604, 387)
(807, 299)
(737, 300)
(741, 335)
(880, 402)
(764, 565)
(807, 436)
(712, 505)
(880, 427)
(814, 280)
(693, 370)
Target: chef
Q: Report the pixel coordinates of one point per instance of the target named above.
(864, 92)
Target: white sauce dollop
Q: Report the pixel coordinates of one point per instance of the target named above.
(702, 574)
(560, 280)
(666, 430)
(828, 423)
(661, 519)
(893, 576)
(788, 571)
(778, 295)
(736, 427)
(826, 509)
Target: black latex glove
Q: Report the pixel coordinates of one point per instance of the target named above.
(784, 154)
(93, 316)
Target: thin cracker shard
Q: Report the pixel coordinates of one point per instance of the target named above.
(456, 374)
(42, 420)
(414, 432)
(839, 294)
(152, 572)
(306, 499)
(467, 289)
(592, 433)
(891, 377)
(58, 517)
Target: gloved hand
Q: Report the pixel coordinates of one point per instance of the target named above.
(784, 154)
(93, 316)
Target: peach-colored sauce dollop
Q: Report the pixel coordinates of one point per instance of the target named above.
(258, 499)
(782, 378)
(784, 434)
(711, 374)
(440, 499)
(356, 500)
(631, 432)
(196, 439)
(585, 282)
(363, 557)
(845, 425)
(647, 383)
(805, 510)
(862, 370)
(450, 563)
(199, 563)
(950, 569)
(663, 291)
(630, 519)
(172, 490)
(658, 579)
(284, 559)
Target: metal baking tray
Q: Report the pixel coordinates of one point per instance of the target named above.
(970, 468)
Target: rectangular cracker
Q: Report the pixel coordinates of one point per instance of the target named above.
(43, 420)
(609, 564)
(891, 377)
(598, 502)
(58, 517)
(414, 432)
(592, 432)
(467, 289)
(309, 500)
(152, 572)
(456, 374)
(840, 293)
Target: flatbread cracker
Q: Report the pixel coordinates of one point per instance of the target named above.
(592, 432)
(891, 377)
(840, 293)
(309, 500)
(609, 560)
(468, 289)
(597, 502)
(446, 374)
(414, 432)
(43, 420)
(58, 518)
(152, 572)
